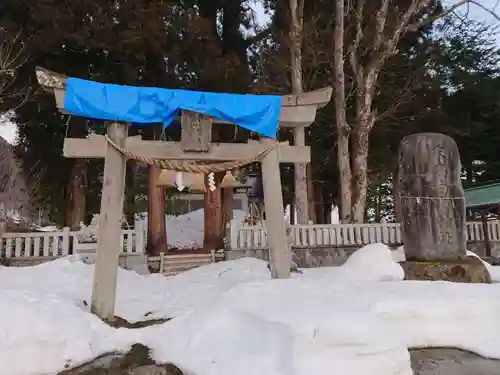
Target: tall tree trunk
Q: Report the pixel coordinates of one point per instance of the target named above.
(76, 197)
(319, 207)
(300, 170)
(398, 214)
(378, 208)
(301, 190)
(76, 191)
(343, 156)
(213, 235)
(469, 171)
(130, 191)
(359, 175)
(327, 208)
(157, 234)
(365, 120)
(366, 66)
(311, 196)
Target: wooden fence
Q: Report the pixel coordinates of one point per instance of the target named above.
(42, 246)
(244, 236)
(36, 247)
(55, 244)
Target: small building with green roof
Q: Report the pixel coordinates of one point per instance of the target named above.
(484, 201)
(483, 197)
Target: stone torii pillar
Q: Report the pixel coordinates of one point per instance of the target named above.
(299, 139)
(195, 145)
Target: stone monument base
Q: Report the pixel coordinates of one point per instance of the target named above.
(470, 270)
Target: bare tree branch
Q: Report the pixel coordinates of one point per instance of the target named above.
(380, 20)
(452, 9)
(490, 11)
(12, 57)
(356, 65)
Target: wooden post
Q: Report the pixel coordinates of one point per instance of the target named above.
(110, 218)
(157, 234)
(213, 234)
(227, 213)
(311, 196)
(279, 249)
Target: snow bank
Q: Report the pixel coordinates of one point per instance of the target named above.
(137, 295)
(281, 328)
(43, 334)
(45, 309)
(230, 318)
(373, 262)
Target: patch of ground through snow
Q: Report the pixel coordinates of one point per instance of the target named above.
(444, 361)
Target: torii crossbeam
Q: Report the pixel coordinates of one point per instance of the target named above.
(115, 147)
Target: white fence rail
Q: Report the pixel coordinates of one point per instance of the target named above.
(56, 244)
(244, 236)
(47, 245)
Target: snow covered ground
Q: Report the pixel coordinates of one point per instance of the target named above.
(186, 231)
(230, 318)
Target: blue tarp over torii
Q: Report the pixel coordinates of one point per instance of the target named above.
(257, 113)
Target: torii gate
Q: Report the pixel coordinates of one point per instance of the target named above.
(296, 111)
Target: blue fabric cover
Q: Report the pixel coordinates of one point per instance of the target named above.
(258, 113)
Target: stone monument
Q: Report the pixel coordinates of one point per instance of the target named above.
(432, 205)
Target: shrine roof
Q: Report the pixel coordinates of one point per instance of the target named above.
(483, 195)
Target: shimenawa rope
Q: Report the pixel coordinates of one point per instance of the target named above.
(197, 168)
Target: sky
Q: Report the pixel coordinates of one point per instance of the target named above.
(477, 13)
(8, 130)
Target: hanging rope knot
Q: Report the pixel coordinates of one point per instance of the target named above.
(194, 168)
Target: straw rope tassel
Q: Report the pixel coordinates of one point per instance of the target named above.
(198, 168)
